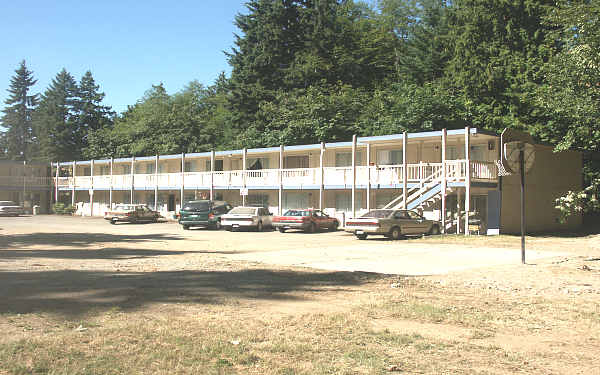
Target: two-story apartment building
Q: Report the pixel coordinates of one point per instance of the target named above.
(448, 175)
(26, 183)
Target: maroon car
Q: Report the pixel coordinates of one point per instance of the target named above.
(308, 220)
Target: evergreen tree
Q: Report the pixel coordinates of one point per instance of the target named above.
(90, 114)
(17, 140)
(55, 120)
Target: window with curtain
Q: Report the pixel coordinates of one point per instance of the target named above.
(257, 163)
(389, 157)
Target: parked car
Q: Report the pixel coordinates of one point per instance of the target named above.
(132, 213)
(391, 223)
(308, 220)
(247, 217)
(10, 208)
(203, 213)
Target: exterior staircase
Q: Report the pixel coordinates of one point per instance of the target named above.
(425, 195)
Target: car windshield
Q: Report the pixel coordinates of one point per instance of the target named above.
(243, 211)
(197, 206)
(7, 203)
(297, 213)
(379, 214)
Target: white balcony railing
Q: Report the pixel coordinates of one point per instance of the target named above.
(20, 181)
(332, 176)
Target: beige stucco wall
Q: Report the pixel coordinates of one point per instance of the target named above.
(552, 175)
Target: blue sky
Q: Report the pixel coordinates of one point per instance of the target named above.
(127, 45)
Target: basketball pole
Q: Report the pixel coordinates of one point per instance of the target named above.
(522, 170)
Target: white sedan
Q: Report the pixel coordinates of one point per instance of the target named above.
(247, 217)
(10, 208)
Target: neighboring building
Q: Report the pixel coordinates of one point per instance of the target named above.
(27, 184)
(400, 170)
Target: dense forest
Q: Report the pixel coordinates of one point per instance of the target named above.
(307, 71)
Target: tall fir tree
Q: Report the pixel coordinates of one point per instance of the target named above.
(90, 114)
(55, 120)
(18, 139)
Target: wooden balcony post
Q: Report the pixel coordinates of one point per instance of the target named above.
(212, 175)
(280, 209)
(156, 183)
(182, 190)
(74, 170)
(444, 182)
(131, 192)
(110, 191)
(467, 178)
(368, 177)
(354, 175)
(322, 185)
(244, 156)
(56, 184)
(404, 170)
(91, 188)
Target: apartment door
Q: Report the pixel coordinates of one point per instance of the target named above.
(171, 203)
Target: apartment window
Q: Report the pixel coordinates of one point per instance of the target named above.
(258, 200)
(389, 157)
(478, 152)
(343, 201)
(295, 200)
(190, 166)
(257, 163)
(455, 152)
(126, 169)
(382, 199)
(218, 165)
(87, 171)
(150, 168)
(344, 159)
(300, 161)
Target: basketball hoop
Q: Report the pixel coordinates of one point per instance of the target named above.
(501, 170)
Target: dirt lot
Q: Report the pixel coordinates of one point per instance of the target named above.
(78, 295)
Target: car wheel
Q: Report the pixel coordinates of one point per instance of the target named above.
(435, 230)
(395, 233)
(361, 236)
(281, 230)
(334, 226)
(312, 228)
(186, 227)
(113, 221)
(259, 226)
(228, 228)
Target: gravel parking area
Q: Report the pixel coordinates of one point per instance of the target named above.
(338, 251)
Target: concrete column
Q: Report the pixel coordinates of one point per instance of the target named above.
(322, 185)
(404, 170)
(110, 192)
(244, 157)
(74, 170)
(458, 209)
(467, 178)
(156, 183)
(444, 182)
(212, 175)
(280, 209)
(131, 192)
(354, 175)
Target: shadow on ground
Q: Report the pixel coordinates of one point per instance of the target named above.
(77, 239)
(74, 293)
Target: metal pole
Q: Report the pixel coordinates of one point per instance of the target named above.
(110, 193)
(321, 170)
(280, 209)
(368, 177)
(244, 156)
(156, 183)
(404, 170)
(212, 175)
(522, 171)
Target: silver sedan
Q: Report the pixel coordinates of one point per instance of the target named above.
(391, 223)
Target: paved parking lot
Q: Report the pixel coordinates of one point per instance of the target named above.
(338, 251)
